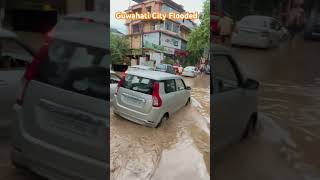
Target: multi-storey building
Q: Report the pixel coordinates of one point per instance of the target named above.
(152, 40)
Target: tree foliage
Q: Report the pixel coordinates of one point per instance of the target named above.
(119, 46)
(199, 38)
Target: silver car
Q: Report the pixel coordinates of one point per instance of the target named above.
(234, 100)
(258, 31)
(61, 116)
(190, 71)
(150, 97)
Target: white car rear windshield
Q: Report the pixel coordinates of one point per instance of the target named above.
(139, 84)
(75, 67)
(254, 21)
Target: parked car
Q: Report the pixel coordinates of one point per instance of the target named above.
(312, 28)
(258, 31)
(234, 99)
(139, 67)
(114, 80)
(168, 68)
(60, 129)
(190, 71)
(14, 58)
(150, 98)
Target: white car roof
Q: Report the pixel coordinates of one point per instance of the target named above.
(155, 75)
(256, 20)
(88, 36)
(141, 67)
(7, 34)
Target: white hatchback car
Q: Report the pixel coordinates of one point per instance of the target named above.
(150, 97)
(234, 100)
(61, 117)
(258, 31)
(190, 71)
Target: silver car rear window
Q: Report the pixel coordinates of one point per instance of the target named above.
(139, 84)
(75, 67)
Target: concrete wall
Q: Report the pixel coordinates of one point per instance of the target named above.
(134, 41)
(75, 6)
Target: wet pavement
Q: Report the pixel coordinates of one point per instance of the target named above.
(7, 170)
(178, 149)
(288, 141)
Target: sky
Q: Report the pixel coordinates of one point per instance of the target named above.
(121, 5)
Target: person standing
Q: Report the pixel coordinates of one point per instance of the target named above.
(295, 22)
(225, 26)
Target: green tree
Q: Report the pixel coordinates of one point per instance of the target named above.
(199, 38)
(168, 60)
(119, 46)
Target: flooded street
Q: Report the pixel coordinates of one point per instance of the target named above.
(178, 149)
(288, 141)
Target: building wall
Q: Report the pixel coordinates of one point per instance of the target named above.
(75, 6)
(135, 41)
(147, 27)
(167, 41)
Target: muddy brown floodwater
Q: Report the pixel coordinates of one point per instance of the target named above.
(288, 143)
(178, 149)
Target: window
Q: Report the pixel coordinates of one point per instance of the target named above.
(139, 84)
(180, 84)
(168, 25)
(75, 67)
(161, 25)
(153, 26)
(170, 86)
(225, 75)
(13, 55)
(175, 27)
(275, 25)
(137, 11)
(183, 45)
(254, 21)
(148, 9)
(171, 70)
(135, 28)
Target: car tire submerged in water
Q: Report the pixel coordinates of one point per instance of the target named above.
(250, 128)
(163, 119)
